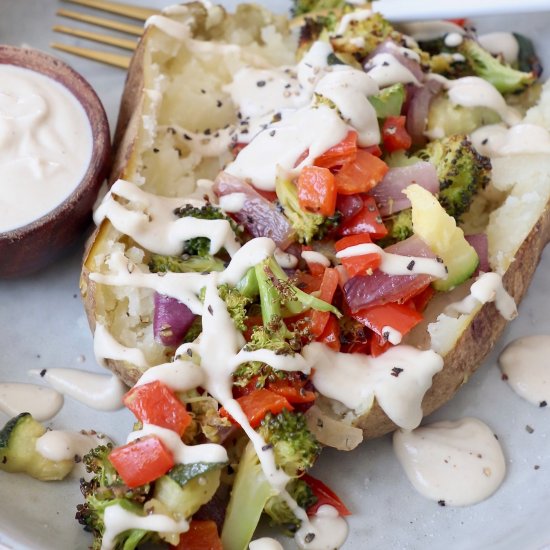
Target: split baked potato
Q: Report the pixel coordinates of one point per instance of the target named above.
(176, 84)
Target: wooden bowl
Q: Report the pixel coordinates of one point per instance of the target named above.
(31, 247)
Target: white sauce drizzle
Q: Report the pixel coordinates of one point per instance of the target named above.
(233, 202)
(117, 520)
(395, 264)
(265, 543)
(150, 220)
(60, 445)
(459, 463)
(453, 39)
(329, 530)
(386, 70)
(393, 335)
(503, 43)
(285, 260)
(472, 91)
(398, 379)
(525, 364)
(45, 145)
(98, 391)
(495, 140)
(350, 18)
(313, 257)
(41, 402)
(106, 347)
(302, 124)
(183, 454)
(487, 288)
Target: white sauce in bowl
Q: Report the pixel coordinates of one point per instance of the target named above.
(45, 145)
(454, 463)
(524, 364)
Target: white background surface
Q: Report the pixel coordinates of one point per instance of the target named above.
(42, 325)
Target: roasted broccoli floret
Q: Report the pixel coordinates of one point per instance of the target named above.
(307, 6)
(461, 170)
(399, 226)
(504, 78)
(105, 489)
(279, 511)
(236, 304)
(295, 447)
(200, 246)
(185, 263)
(306, 224)
(295, 450)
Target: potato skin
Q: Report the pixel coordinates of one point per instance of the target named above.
(463, 360)
(477, 340)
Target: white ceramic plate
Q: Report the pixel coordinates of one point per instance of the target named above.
(42, 325)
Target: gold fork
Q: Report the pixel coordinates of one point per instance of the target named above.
(126, 10)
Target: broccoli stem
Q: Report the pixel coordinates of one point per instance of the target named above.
(303, 299)
(269, 297)
(248, 285)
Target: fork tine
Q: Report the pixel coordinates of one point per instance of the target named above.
(133, 12)
(116, 60)
(97, 37)
(136, 30)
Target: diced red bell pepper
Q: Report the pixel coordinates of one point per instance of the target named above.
(141, 461)
(420, 301)
(368, 220)
(394, 134)
(373, 150)
(317, 269)
(378, 346)
(358, 265)
(202, 535)
(292, 387)
(307, 281)
(155, 403)
(397, 316)
(329, 284)
(331, 335)
(339, 154)
(324, 495)
(317, 190)
(360, 175)
(257, 404)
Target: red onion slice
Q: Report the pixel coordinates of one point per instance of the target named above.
(381, 288)
(349, 205)
(259, 216)
(481, 245)
(389, 194)
(419, 108)
(171, 320)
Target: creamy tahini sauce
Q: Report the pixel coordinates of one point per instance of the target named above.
(398, 379)
(487, 288)
(117, 520)
(386, 70)
(503, 43)
(60, 445)
(150, 220)
(524, 364)
(102, 392)
(328, 531)
(265, 543)
(456, 463)
(395, 264)
(45, 145)
(41, 402)
(314, 257)
(495, 140)
(107, 347)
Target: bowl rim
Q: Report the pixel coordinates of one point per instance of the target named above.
(100, 157)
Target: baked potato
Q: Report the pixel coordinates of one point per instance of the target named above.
(177, 84)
